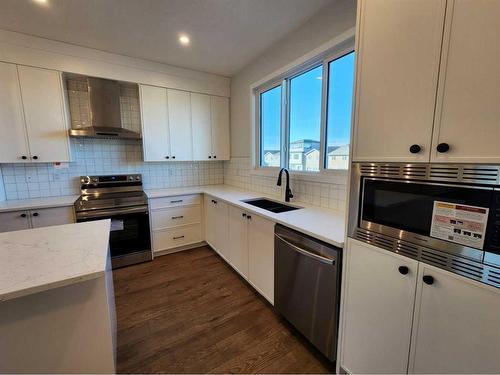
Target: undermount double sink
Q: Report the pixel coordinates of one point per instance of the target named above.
(270, 205)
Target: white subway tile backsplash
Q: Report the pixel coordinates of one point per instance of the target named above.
(103, 156)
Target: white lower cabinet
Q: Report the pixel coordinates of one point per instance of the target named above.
(217, 225)
(245, 241)
(378, 310)
(261, 256)
(399, 323)
(456, 327)
(35, 218)
(175, 222)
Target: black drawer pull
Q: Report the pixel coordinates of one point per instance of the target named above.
(178, 237)
(35, 157)
(415, 149)
(249, 217)
(244, 214)
(24, 157)
(176, 201)
(23, 215)
(177, 217)
(443, 147)
(403, 270)
(428, 279)
(35, 214)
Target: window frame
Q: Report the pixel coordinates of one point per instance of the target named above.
(283, 80)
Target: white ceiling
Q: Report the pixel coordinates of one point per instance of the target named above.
(225, 34)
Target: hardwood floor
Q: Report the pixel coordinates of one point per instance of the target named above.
(189, 312)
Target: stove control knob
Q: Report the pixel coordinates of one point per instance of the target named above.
(95, 180)
(85, 180)
(130, 178)
(138, 178)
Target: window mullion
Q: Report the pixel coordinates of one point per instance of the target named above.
(324, 109)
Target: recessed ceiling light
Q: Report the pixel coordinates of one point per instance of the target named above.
(41, 1)
(184, 40)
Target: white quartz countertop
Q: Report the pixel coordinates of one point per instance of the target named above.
(36, 260)
(26, 204)
(321, 223)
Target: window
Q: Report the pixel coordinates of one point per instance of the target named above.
(305, 119)
(338, 120)
(270, 127)
(304, 116)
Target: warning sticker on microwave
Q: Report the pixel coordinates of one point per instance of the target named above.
(459, 223)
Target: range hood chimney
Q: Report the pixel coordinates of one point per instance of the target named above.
(105, 112)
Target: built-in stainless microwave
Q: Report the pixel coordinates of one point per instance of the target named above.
(445, 215)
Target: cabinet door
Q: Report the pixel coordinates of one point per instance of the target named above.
(468, 110)
(46, 217)
(45, 115)
(210, 221)
(155, 134)
(222, 228)
(261, 256)
(179, 119)
(13, 145)
(378, 310)
(398, 52)
(202, 126)
(456, 327)
(14, 220)
(238, 240)
(220, 127)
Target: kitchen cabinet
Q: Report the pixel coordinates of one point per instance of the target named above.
(220, 127)
(35, 218)
(179, 119)
(13, 143)
(238, 238)
(175, 223)
(456, 327)
(261, 255)
(378, 310)
(14, 220)
(33, 115)
(467, 112)
(183, 126)
(398, 52)
(155, 131)
(422, 320)
(217, 226)
(202, 126)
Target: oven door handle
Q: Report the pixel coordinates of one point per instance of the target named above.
(307, 253)
(113, 212)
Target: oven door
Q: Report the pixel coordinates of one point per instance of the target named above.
(129, 238)
(447, 217)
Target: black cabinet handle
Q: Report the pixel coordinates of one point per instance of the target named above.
(215, 156)
(177, 238)
(443, 147)
(177, 217)
(415, 149)
(209, 156)
(177, 201)
(244, 214)
(403, 270)
(35, 214)
(167, 157)
(23, 215)
(35, 157)
(249, 217)
(24, 157)
(428, 279)
(173, 157)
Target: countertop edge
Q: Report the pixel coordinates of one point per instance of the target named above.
(46, 202)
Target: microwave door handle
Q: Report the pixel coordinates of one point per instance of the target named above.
(307, 253)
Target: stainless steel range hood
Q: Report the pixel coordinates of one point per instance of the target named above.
(105, 112)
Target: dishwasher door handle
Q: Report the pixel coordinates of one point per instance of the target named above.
(307, 253)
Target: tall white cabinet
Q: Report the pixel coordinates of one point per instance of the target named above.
(179, 119)
(33, 117)
(220, 127)
(418, 319)
(427, 81)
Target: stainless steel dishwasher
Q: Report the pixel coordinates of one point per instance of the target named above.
(307, 286)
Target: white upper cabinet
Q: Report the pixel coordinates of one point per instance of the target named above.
(202, 126)
(45, 115)
(468, 105)
(155, 133)
(456, 325)
(13, 141)
(179, 119)
(220, 128)
(398, 52)
(378, 310)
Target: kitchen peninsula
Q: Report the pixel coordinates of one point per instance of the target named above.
(56, 300)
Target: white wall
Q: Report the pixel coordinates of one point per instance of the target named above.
(329, 23)
(29, 50)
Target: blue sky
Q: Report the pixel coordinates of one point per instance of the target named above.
(305, 106)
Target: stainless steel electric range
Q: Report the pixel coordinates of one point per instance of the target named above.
(120, 198)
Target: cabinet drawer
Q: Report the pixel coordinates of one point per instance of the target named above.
(46, 217)
(175, 237)
(175, 216)
(179, 200)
